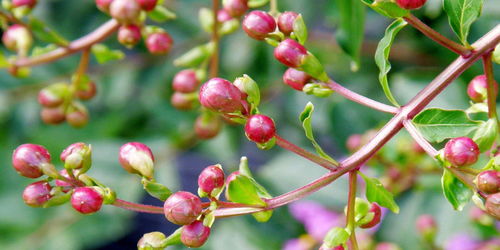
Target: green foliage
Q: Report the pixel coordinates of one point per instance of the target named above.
(306, 119)
(376, 192)
(387, 8)
(455, 191)
(103, 54)
(461, 14)
(351, 30)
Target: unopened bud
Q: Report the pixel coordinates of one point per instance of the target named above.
(137, 158)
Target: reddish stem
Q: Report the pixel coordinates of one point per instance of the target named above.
(417, 136)
(214, 64)
(351, 202)
(491, 95)
(138, 207)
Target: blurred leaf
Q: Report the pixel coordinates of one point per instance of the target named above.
(455, 191)
(461, 14)
(44, 33)
(161, 14)
(42, 50)
(300, 29)
(376, 192)
(382, 56)
(486, 134)
(386, 8)
(350, 32)
(103, 54)
(436, 125)
(206, 19)
(4, 63)
(257, 3)
(195, 56)
(335, 237)
(305, 118)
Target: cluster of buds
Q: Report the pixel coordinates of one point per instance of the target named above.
(70, 185)
(58, 104)
(19, 8)
(131, 31)
(488, 182)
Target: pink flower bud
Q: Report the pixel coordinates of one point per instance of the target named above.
(182, 208)
(77, 116)
(86, 200)
(286, 20)
(137, 158)
(223, 16)
(207, 127)
(87, 92)
(258, 24)
(387, 246)
(151, 241)
(29, 3)
(296, 78)
(354, 142)
(61, 183)
(185, 81)
(125, 11)
(53, 115)
(375, 209)
(426, 225)
(493, 205)
(147, 5)
(27, 160)
(183, 101)
(103, 5)
(76, 156)
(290, 53)
(410, 4)
(488, 181)
(260, 128)
(195, 234)
(477, 89)
(211, 178)
(36, 194)
(235, 8)
(159, 43)
(17, 38)
(129, 35)
(220, 95)
(461, 151)
(53, 95)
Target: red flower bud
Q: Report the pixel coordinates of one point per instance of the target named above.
(286, 20)
(53, 95)
(137, 158)
(182, 208)
(211, 178)
(195, 234)
(77, 116)
(461, 151)
(27, 160)
(17, 38)
(76, 156)
(493, 205)
(53, 115)
(37, 193)
(220, 95)
(410, 4)
(488, 181)
(125, 11)
(185, 81)
(258, 24)
(260, 128)
(86, 200)
(207, 127)
(147, 5)
(477, 89)
(290, 53)
(29, 3)
(87, 92)
(235, 8)
(375, 209)
(182, 101)
(296, 78)
(159, 43)
(103, 5)
(129, 35)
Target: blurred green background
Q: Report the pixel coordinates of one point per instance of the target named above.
(133, 105)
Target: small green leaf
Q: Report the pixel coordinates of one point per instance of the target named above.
(156, 190)
(437, 125)
(382, 56)
(44, 33)
(195, 56)
(37, 51)
(300, 29)
(305, 118)
(461, 14)
(242, 190)
(350, 32)
(387, 8)
(161, 14)
(486, 134)
(206, 19)
(455, 191)
(376, 192)
(103, 54)
(335, 237)
(257, 3)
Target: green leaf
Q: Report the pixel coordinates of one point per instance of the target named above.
(195, 56)
(455, 191)
(335, 237)
(206, 19)
(461, 14)
(437, 125)
(156, 190)
(43, 50)
(4, 63)
(300, 29)
(382, 56)
(242, 190)
(387, 8)
(305, 118)
(103, 54)
(350, 32)
(161, 14)
(257, 3)
(44, 33)
(376, 192)
(486, 134)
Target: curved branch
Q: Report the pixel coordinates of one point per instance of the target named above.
(82, 43)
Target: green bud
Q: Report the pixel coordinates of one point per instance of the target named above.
(335, 237)
(152, 241)
(313, 67)
(248, 86)
(317, 90)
